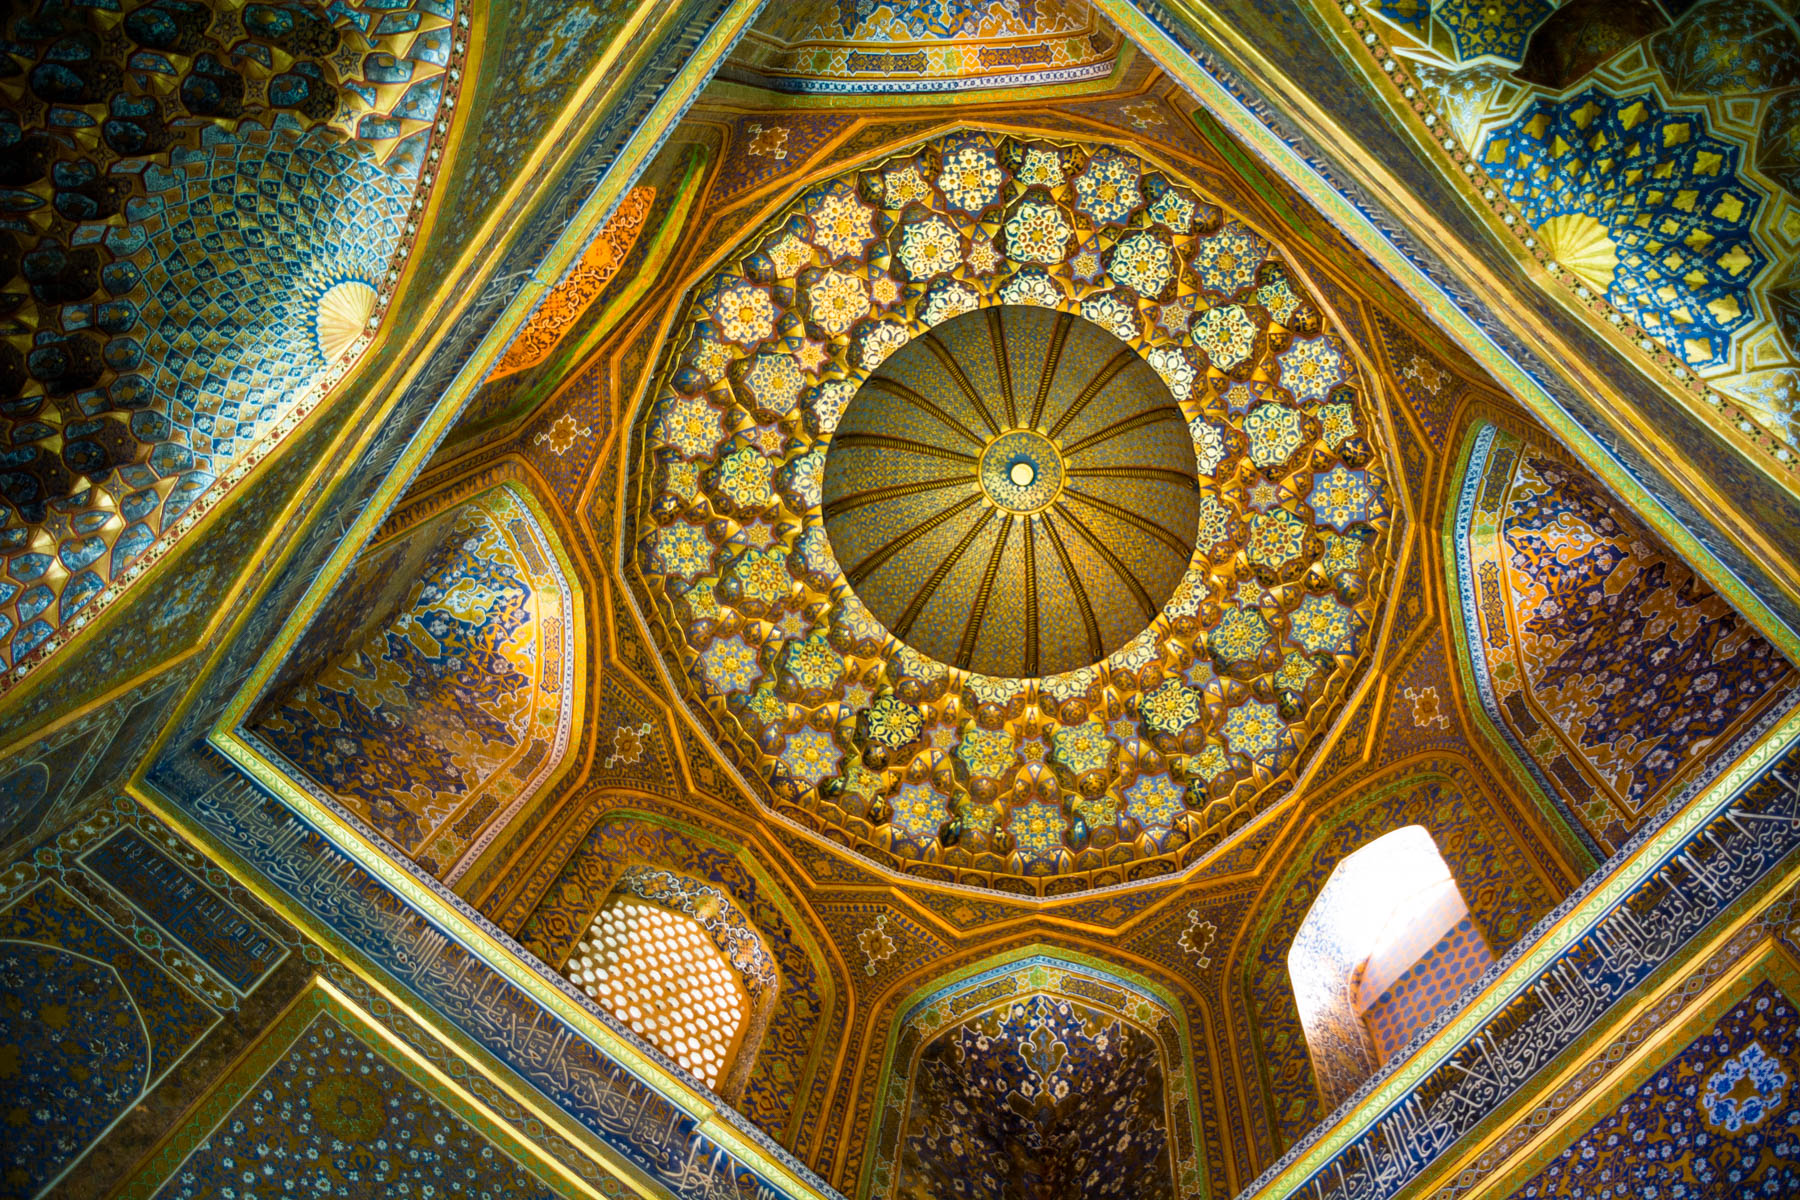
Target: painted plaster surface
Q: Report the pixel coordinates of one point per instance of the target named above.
(440, 721)
(1603, 657)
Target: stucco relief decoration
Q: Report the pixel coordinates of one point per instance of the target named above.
(831, 625)
(565, 303)
(206, 209)
(1644, 155)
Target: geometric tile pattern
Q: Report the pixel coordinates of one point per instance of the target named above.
(753, 544)
(202, 209)
(1411, 1001)
(87, 1023)
(659, 972)
(1649, 156)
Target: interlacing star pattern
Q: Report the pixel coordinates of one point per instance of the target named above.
(1208, 711)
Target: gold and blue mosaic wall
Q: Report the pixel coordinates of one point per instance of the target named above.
(1603, 659)
(437, 721)
(322, 1105)
(917, 46)
(1643, 153)
(205, 211)
(1720, 1118)
(1156, 751)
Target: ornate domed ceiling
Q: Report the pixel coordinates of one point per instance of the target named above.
(1200, 465)
(1013, 493)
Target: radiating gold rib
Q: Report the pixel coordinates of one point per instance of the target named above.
(1164, 474)
(877, 560)
(902, 392)
(1112, 560)
(904, 625)
(1003, 365)
(1118, 362)
(1155, 416)
(965, 650)
(1058, 336)
(954, 369)
(892, 491)
(1096, 650)
(1031, 601)
(1136, 521)
(888, 441)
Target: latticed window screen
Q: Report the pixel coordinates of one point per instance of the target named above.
(660, 973)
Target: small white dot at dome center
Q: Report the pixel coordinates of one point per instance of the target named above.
(1022, 474)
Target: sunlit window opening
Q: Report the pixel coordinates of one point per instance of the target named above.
(660, 973)
(1386, 944)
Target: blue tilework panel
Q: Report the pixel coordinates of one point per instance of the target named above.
(87, 1024)
(1721, 1119)
(233, 945)
(331, 1118)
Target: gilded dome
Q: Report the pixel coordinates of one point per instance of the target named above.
(1013, 493)
(986, 619)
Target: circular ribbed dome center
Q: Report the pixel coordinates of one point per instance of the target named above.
(1013, 493)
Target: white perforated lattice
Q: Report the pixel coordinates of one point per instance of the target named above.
(660, 973)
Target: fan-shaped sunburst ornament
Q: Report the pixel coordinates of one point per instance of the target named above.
(1583, 247)
(343, 316)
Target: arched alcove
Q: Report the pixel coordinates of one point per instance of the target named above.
(434, 696)
(1037, 1073)
(677, 961)
(1387, 942)
(793, 1021)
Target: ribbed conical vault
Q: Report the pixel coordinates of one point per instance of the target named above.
(1021, 454)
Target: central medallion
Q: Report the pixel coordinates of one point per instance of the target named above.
(1013, 493)
(1021, 471)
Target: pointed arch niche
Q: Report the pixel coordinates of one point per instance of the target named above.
(433, 700)
(1037, 1072)
(675, 960)
(1387, 943)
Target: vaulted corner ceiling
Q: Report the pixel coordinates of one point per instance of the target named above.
(984, 505)
(185, 289)
(1627, 169)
